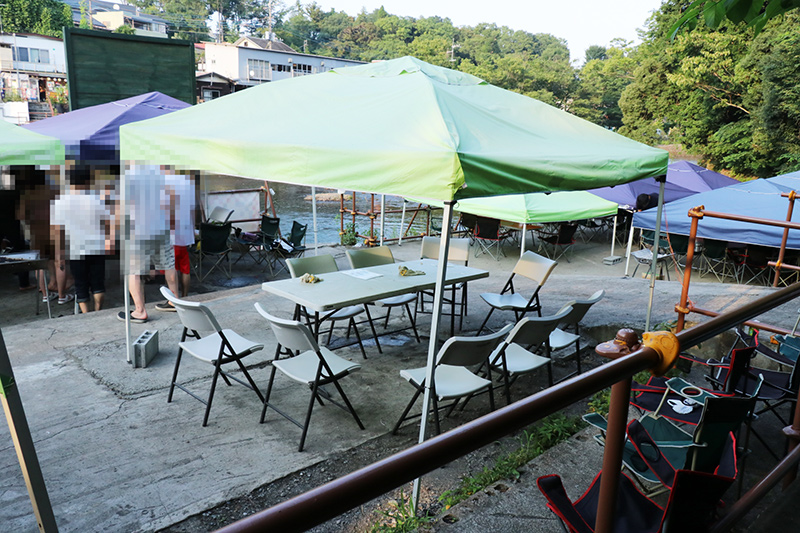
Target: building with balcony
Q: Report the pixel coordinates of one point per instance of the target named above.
(31, 66)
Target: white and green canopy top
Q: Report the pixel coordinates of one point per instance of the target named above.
(19, 146)
(401, 127)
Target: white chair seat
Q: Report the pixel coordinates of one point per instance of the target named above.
(505, 301)
(518, 360)
(451, 381)
(303, 367)
(346, 312)
(561, 339)
(645, 257)
(394, 301)
(207, 348)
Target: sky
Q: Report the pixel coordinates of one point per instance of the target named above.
(582, 23)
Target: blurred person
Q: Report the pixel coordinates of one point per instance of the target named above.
(37, 196)
(182, 235)
(151, 206)
(85, 225)
(11, 236)
(646, 201)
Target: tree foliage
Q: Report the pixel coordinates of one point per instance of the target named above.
(45, 17)
(754, 13)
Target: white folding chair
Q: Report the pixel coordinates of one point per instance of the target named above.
(217, 348)
(561, 338)
(307, 363)
(451, 379)
(322, 264)
(532, 266)
(382, 255)
(457, 253)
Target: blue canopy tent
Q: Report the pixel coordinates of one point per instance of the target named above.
(791, 180)
(756, 198)
(683, 179)
(91, 134)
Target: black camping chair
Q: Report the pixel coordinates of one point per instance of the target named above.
(213, 243)
(293, 246)
(488, 236)
(558, 243)
(692, 503)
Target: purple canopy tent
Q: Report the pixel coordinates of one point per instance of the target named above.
(91, 134)
(683, 179)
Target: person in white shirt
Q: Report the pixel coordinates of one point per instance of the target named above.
(87, 229)
(181, 236)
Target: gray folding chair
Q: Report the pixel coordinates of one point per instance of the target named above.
(382, 255)
(517, 354)
(458, 253)
(217, 348)
(561, 338)
(532, 266)
(322, 264)
(307, 363)
(452, 380)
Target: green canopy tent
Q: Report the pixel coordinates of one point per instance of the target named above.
(19, 146)
(401, 127)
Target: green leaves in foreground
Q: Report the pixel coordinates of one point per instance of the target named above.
(755, 13)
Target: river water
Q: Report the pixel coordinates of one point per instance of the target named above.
(293, 202)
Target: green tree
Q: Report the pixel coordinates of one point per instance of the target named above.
(754, 13)
(44, 17)
(125, 30)
(600, 85)
(595, 52)
(187, 18)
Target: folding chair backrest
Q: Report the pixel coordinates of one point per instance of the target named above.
(739, 363)
(318, 264)
(720, 417)
(566, 233)
(298, 233)
(290, 334)
(536, 330)
(487, 228)
(468, 221)
(214, 237)
(270, 227)
(714, 249)
(535, 267)
(468, 351)
(220, 215)
(581, 307)
(193, 315)
(457, 252)
(368, 257)
(695, 496)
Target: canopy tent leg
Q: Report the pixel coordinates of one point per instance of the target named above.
(522, 240)
(125, 238)
(656, 240)
(402, 221)
(628, 250)
(383, 216)
(314, 218)
(436, 315)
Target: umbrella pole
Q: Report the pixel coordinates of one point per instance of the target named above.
(522, 240)
(314, 217)
(402, 222)
(656, 241)
(125, 235)
(436, 315)
(383, 216)
(628, 251)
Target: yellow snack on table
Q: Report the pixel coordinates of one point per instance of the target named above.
(405, 271)
(310, 278)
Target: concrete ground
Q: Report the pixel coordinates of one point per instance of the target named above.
(117, 457)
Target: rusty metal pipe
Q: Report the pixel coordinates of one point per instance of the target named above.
(784, 240)
(754, 495)
(751, 323)
(687, 274)
(754, 220)
(340, 495)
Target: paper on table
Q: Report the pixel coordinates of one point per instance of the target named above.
(361, 273)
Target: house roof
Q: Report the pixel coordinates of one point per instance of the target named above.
(266, 44)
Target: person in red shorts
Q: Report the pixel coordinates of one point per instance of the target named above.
(181, 236)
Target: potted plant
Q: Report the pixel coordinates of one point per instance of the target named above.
(59, 99)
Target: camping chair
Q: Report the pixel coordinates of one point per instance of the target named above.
(561, 338)
(559, 243)
(511, 360)
(457, 253)
(692, 502)
(488, 236)
(322, 264)
(293, 246)
(214, 243)
(219, 215)
(715, 259)
(466, 225)
(701, 450)
(307, 363)
(531, 266)
(645, 257)
(220, 347)
(452, 380)
(382, 255)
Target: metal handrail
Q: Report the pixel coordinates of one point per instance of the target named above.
(340, 495)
